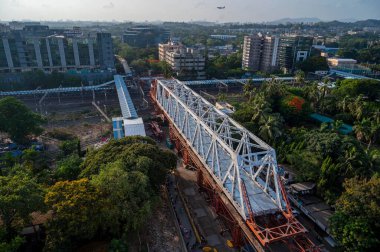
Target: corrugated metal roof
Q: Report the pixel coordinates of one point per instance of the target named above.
(127, 108)
(134, 127)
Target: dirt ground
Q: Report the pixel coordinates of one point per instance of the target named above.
(162, 235)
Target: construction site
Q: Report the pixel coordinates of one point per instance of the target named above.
(234, 169)
(226, 194)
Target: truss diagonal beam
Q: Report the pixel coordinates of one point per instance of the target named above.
(231, 154)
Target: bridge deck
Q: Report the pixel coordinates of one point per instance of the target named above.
(127, 108)
(233, 156)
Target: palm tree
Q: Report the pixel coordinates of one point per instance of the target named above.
(357, 107)
(313, 94)
(300, 77)
(376, 116)
(260, 107)
(336, 125)
(344, 103)
(271, 127)
(363, 130)
(324, 127)
(273, 87)
(166, 69)
(374, 132)
(248, 88)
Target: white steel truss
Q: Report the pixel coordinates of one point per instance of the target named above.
(230, 153)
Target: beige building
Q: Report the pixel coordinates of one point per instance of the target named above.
(169, 47)
(187, 63)
(252, 52)
(269, 54)
(336, 62)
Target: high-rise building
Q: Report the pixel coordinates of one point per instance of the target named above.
(37, 47)
(105, 50)
(293, 49)
(252, 52)
(270, 53)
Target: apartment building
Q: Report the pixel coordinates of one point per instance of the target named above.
(169, 47)
(270, 53)
(187, 63)
(252, 52)
(38, 47)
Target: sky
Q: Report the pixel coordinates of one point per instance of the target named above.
(187, 10)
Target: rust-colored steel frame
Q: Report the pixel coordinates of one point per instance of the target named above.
(290, 232)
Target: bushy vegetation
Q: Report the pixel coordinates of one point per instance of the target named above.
(344, 167)
(17, 120)
(109, 194)
(225, 66)
(362, 47)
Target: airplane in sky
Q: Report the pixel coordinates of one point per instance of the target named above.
(221, 7)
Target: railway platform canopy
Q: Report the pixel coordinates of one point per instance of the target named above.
(129, 124)
(127, 108)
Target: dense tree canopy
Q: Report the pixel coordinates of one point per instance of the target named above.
(224, 66)
(279, 115)
(354, 88)
(356, 223)
(314, 63)
(20, 195)
(127, 196)
(76, 205)
(68, 168)
(138, 153)
(118, 190)
(17, 120)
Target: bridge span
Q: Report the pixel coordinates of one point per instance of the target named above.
(237, 169)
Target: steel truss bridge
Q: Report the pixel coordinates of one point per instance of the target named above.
(110, 85)
(233, 81)
(348, 75)
(105, 86)
(237, 169)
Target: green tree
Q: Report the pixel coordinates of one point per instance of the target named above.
(20, 195)
(17, 120)
(363, 130)
(300, 77)
(271, 127)
(248, 88)
(34, 161)
(348, 53)
(354, 88)
(356, 222)
(68, 168)
(128, 197)
(260, 107)
(136, 152)
(9, 245)
(76, 205)
(314, 63)
(69, 147)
